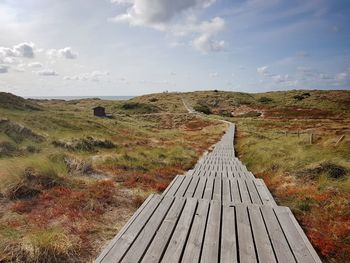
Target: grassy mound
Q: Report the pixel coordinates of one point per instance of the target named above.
(12, 102)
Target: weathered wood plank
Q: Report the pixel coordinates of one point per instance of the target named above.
(160, 241)
(226, 191)
(183, 187)
(217, 189)
(300, 245)
(208, 192)
(200, 188)
(244, 234)
(236, 197)
(228, 251)
(194, 243)
(210, 252)
(192, 187)
(244, 192)
(254, 196)
(146, 235)
(122, 231)
(262, 242)
(280, 244)
(123, 243)
(177, 242)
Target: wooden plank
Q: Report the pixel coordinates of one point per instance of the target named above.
(200, 188)
(300, 245)
(183, 187)
(280, 244)
(236, 197)
(217, 189)
(144, 238)
(244, 192)
(175, 186)
(262, 242)
(160, 241)
(177, 242)
(226, 191)
(254, 196)
(228, 249)
(265, 198)
(193, 247)
(192, 187)
(111, 244)
(121, 245)
(244, 234)
(209, 187)
(210, 252)
(174, 183)
(268, 193)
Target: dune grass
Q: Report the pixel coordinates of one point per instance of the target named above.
(63, 196)
(312, 179)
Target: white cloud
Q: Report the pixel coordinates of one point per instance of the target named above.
(214, 75)
(91, 76)
(264, 70)
(47, 72)
(156, 13)
(208, 29)
(205, 44)
(325, 76)
(160, 14)
(35, 65)
(62, 53)
(3, 69)
(280, 78)
(25, 50)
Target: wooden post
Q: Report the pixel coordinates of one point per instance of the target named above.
(298, 134)
(340, 139)
(311, 138)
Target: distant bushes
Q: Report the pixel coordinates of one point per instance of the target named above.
(7, 149)
(298, 97)
(332, 170)
(202, 108)
(19, 133)
(141, 108)
(265, 100)
(250, 114)
(302, 96)
(88, 144)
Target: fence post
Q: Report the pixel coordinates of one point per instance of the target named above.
(340, 139)
(311, 138)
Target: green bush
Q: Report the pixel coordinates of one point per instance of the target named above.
(265, 100)
(202, 108)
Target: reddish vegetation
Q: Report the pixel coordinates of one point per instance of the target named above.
(324, 215)
(76, 209)
(295, 113)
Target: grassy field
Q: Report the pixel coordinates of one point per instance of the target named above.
(274, 140)
(69, 181)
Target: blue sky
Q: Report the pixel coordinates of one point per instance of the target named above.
(133, 47)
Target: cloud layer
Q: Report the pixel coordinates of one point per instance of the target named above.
(178, 18)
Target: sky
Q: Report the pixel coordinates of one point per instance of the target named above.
(134, 47)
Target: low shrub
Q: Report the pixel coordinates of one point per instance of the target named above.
(141, 108)
(251, 114)
(202, 108)
(265, 100)
(8, 149)
(88, 144)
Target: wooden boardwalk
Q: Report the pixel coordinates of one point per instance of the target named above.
(217, 212)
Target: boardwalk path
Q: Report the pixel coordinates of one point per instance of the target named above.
(217, 212)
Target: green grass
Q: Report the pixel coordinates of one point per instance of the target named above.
(56, 193)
